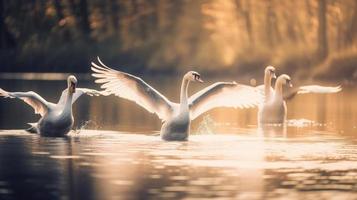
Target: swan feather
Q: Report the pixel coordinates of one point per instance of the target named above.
(311, 89)
(79, 92)
(132, 88)
(223, 94)
(40, 105)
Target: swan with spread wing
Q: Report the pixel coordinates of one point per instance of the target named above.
(176, 117)
(56, 119)
(273, 110)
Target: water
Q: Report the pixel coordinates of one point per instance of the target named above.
(227, 156)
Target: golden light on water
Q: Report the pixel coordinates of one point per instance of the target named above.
(122, 164)
(229, 158)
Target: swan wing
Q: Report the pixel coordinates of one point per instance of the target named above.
(261, 89)
(223, 94)
(311, 89)
(39, 104)
(79, 92)
(132, 88)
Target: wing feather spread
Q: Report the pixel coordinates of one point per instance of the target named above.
(132, 88)
(40, 105)
(79, 92)
(223, 94)
(311, 89)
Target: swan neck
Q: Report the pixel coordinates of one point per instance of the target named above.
(267, 85)
(183, 94)
(68, 104)
(279, 89)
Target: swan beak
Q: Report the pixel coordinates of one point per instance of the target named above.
(197, 77)
(73, 87)
(290, 84)
(274, 76)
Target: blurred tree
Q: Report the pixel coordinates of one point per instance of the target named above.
(59, 9)
(169, 36)
(115, 10)
(7, 40)
(272, 30)
(322, 48)
(351, 32)
(245, 12)
(61, 20)
(80, 13)
(83, 8)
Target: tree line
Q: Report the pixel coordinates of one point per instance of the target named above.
(239, 36)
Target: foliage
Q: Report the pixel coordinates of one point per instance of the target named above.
(239, 36)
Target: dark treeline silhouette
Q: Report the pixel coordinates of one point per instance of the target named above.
(308, 38)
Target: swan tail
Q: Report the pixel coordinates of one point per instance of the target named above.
(33, 128)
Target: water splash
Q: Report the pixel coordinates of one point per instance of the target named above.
(206, 126)
(90, 124)
(303, 123)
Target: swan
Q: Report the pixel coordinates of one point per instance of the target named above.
(56, 119)
(269, 74)
(273, 110)
(176, 117)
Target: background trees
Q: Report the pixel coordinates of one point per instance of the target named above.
(239, 36)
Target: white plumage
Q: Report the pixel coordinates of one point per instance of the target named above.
(223, 94)
(274, 109)
(176, 117)
(56, 119)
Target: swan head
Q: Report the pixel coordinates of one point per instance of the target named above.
(270, 71)
(72, 83)
(284, 80)
(193, 76)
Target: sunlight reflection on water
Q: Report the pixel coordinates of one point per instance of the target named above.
(130, 166)
(227, 155)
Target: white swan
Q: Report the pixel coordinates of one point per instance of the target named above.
(274, 109)
(176, 117)
(269, 74)
(56, 119)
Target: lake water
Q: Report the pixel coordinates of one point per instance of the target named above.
(115, 152)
